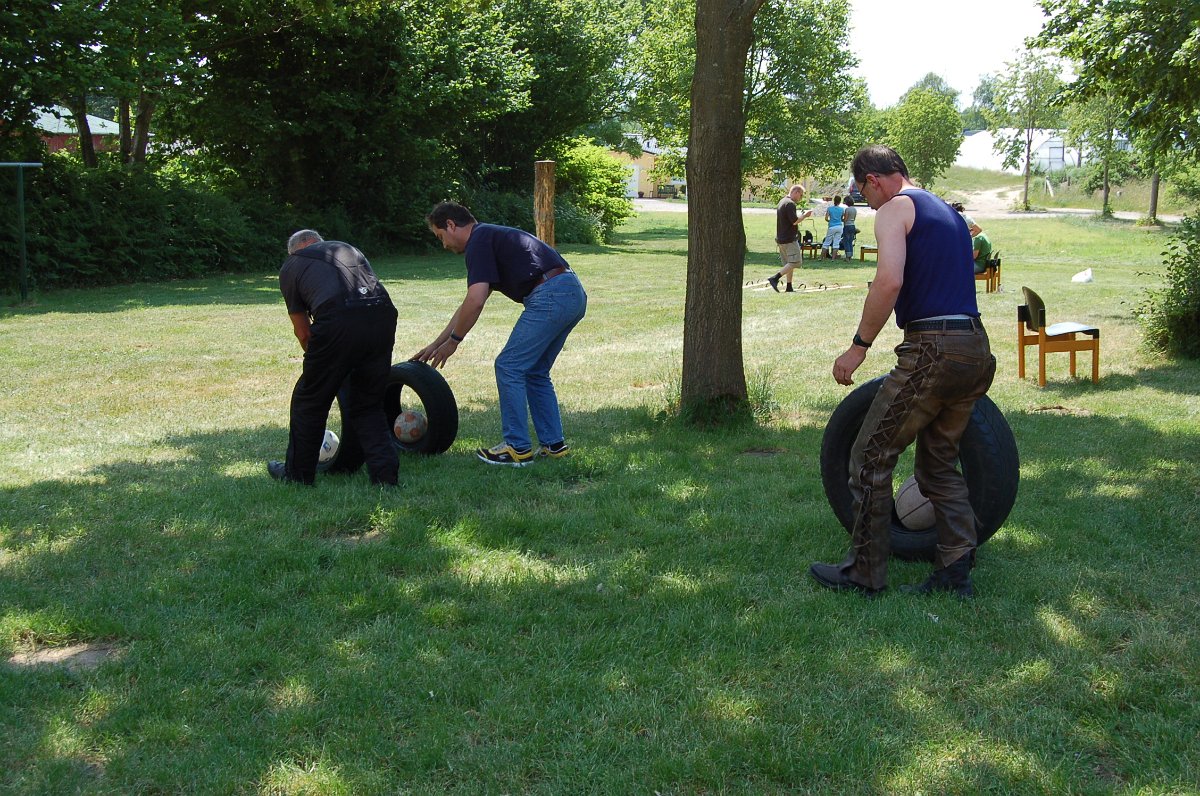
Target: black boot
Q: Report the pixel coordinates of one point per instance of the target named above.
(831, 576)
(955, 579)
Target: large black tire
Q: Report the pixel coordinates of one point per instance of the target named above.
(987, 456)
(437, 398)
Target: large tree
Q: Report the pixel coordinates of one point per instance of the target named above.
(938, 85)
(381, 108)
(714, 379)
(145, 55)
(1094, 127)
(1143, 53)
(800, 106)
(369, 107)
(1025, 97)
(576, 51)
(925, 129)
(983, 99)
(1145, 56)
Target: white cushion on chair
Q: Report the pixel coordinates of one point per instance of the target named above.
(1067, 327)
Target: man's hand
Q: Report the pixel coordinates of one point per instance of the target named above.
(436, 353)
(845, 365)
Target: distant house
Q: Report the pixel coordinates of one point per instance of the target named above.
(1050, 152)
(59, 131)
(640, 184)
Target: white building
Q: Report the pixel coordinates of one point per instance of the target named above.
(1050, 152)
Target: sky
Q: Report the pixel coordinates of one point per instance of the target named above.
(898, 42)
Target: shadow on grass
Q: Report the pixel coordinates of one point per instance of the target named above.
(228, 290)
(633, 617)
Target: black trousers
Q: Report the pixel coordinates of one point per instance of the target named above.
(349, 352)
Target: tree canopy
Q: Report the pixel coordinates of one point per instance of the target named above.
(1143, 53)
(937, 84)
(800, 104)
(1024, 101)
(926, 130)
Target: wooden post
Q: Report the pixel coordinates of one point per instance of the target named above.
(543, 200)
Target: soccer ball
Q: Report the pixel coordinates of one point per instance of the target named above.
(410, 426)
(914, 509)
(329, 446)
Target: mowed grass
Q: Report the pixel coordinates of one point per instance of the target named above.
(633, 619)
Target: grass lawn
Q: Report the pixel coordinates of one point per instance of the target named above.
(635, 618)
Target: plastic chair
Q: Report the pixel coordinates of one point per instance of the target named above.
(1049, 339)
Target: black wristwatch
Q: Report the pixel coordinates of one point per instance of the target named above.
(860, 342)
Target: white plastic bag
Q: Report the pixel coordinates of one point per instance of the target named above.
(1083, 276)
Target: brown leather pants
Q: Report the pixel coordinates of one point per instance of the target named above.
(928, 397)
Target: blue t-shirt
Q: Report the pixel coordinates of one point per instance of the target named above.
(939, 275)
(835, 215)
(510, 260)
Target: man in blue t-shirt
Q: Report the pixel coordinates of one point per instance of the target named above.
(530, 273)
(943, 366)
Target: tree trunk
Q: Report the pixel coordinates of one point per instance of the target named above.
(141, 131)
(87, 153)
(126, 133)
(1153, 214)
(713, 387)
(1105, 210)
(1028, 162)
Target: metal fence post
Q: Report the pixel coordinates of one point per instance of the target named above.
(20, 167)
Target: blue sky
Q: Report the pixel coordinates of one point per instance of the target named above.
(898, 42)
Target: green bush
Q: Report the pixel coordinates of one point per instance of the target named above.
(112, 225)
(1170, 315)
(571, 224)
(592, 178)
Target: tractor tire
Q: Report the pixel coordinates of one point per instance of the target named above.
(435, 396)
(987, 457)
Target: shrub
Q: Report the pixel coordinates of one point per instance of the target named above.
(571, 224)
(594, 181)
(112, 224)
(1170, 315)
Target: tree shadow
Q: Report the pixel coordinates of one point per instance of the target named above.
(635, 615)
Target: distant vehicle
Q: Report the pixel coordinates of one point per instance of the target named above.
(855, 194)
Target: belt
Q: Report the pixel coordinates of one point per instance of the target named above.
(553, 272)
(946, 325)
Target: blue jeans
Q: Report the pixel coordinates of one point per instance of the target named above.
(849, 232)
(523, 367)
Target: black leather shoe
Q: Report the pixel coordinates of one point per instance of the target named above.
(831, 577)
(278, 471)
(954, 579)
(774, 282)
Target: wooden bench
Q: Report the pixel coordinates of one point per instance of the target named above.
(810, 250)
(863, 250)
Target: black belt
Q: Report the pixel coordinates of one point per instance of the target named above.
(553, 272)
(945, 325)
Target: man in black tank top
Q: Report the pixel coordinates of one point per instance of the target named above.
(346, 325)
(943, 366)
